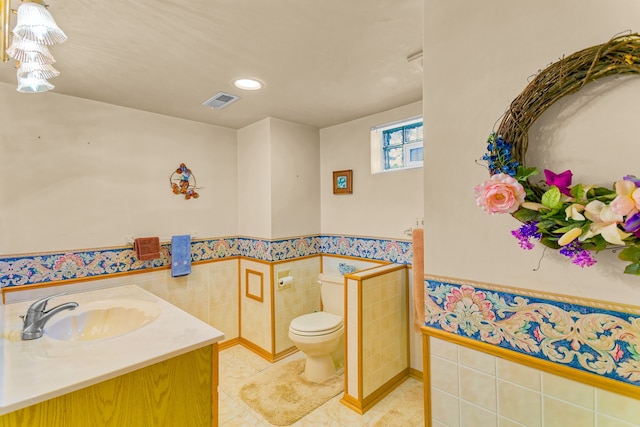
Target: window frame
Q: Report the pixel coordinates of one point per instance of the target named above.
(378, 148)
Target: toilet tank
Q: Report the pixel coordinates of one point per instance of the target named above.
(332, 294)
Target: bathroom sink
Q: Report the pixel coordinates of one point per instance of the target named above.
(101, 320)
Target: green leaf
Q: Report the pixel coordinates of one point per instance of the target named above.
(566, 228)
(633, 268)
(550, 243)
(577, 191)
(552, 213)
(631, 253)
(601, 244)
(546, 225)
(551, 198)
(522, 174)
(526, 215)
(601, 191)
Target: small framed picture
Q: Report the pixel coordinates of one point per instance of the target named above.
(343, 182)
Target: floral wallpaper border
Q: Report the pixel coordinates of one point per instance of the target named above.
(396, 251)
(278, 250)
(603, 339)
(29, 269)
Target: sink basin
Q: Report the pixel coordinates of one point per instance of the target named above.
(101, 320)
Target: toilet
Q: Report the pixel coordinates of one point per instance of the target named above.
(319, 335)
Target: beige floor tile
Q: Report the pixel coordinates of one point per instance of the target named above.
(238, 364)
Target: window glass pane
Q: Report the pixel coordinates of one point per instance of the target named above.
(416, 154)
(413, 133)
(393, 158)
(393, 137)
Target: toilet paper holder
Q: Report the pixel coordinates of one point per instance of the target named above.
(284, 282)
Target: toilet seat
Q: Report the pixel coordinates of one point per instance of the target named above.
(315, 324)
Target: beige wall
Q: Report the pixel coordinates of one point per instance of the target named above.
(481, 68)
(278, 179)
(382, 205)
(295, 179)
(478, 57)
(83, 174)
(254, 184)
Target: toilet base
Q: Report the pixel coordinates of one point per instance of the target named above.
(318, 369)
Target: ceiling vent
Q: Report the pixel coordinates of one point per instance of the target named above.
(220, 100)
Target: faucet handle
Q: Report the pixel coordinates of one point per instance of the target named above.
(41, 304)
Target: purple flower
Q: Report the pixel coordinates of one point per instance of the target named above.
(577, 255)
(632, 224)
(526, 232)
(561, 180)
(583, 259)
(633, 179)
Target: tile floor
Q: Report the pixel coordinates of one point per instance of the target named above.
(238, 364)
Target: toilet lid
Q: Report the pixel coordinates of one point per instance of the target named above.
(318, 323)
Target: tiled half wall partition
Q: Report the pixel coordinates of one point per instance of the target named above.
(507, 356)
(376, 333)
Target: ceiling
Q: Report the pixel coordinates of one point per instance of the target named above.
(324, 62)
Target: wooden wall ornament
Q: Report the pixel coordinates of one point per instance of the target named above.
(183, 181)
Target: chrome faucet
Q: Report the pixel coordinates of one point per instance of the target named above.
(36, 316)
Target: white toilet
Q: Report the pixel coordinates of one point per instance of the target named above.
(319, 334)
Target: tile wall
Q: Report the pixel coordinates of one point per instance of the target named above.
(384, 329)
(215, 291)
(209, 292)
(255, 316)
(377, 342)
(300, 297)
(497, 392)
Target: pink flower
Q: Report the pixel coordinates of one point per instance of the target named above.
(627, 200)
(500, 194)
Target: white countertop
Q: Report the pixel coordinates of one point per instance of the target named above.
(36, 370)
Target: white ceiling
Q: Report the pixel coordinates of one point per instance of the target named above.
(324, 62)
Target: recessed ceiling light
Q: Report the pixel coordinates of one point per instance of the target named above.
(248, 84)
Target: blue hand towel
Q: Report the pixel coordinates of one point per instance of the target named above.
(180, 255)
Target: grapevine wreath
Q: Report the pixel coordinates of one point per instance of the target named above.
(576, 219)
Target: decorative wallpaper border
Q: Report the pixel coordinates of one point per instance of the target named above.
(30, 269)
(603, 339)
(396, 251)
(278, 250)
(56, 266)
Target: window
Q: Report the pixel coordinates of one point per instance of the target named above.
(396, 146)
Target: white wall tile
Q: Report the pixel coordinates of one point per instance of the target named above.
(519, 404)
(478, 388)
(444, 408)
(475, 416)
(444, 375)
(444, 349)
(605, 421)
(558, 413)
(618, 406)
(570, 391)
(506, 422)
(519, 374)
(477, 360)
